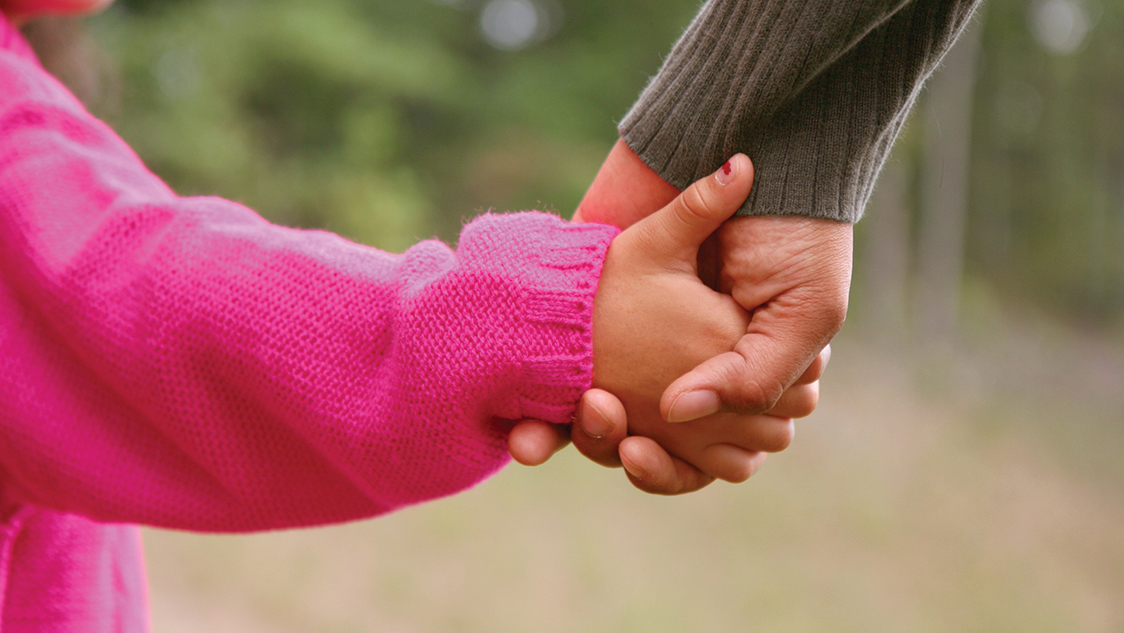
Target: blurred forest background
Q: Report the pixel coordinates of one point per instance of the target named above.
(965, 469)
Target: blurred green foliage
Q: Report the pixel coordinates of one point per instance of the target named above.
(386, 121)
(391, 120)
(1046, 215)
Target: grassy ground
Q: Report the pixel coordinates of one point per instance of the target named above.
(977, 495)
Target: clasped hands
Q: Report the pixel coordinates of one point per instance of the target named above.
(710, 333)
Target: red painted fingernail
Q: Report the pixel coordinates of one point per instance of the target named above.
(726, 174)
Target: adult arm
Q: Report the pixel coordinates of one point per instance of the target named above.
(815, 93)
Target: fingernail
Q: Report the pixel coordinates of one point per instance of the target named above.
(693, 405)
(636, 473)
(725, 175)
(594, 423)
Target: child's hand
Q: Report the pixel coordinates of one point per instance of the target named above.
(791, 272)
(654, 321)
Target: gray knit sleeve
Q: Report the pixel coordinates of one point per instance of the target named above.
(813, 91)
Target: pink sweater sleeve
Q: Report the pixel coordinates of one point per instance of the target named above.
(181, 362)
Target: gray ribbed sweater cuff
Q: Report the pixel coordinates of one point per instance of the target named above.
(813, 91)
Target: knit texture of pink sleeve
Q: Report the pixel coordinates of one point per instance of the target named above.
(182, 362)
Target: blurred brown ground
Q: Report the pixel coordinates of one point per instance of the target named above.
(987, 499)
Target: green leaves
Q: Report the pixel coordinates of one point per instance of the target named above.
(392, 120)
(386, 121)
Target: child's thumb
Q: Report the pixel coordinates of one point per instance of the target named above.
(682, 226)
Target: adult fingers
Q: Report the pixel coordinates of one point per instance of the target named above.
(816, 369)
(767, 433)
(784, 338)
(793, 275)
(744, 380)
(800, 400)
(600, 433)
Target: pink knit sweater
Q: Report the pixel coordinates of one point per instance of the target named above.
(181, 362)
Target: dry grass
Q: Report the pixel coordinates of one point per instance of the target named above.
(990, 503)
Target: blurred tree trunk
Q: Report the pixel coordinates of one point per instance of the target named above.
(886, 256)
(943, 199)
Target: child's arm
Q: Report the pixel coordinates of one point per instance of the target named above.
(181, 362)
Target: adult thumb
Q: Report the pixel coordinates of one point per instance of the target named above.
(680, 228)
(782, 340)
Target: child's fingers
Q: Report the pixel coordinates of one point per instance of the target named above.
(651, 469)
(681, 227)
(765, 433)
(599, 427)
(730, 463)
(532, 442)
(816, 369)
(799, 401)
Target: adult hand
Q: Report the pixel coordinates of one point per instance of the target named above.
(793, 275)
(802, 268)
(600, 432)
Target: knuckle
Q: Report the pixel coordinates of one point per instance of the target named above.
(755, 396)
(806, 408)
(694, 206)
(669, 487)
(836, 314)
(817, 367)
(831, 312)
